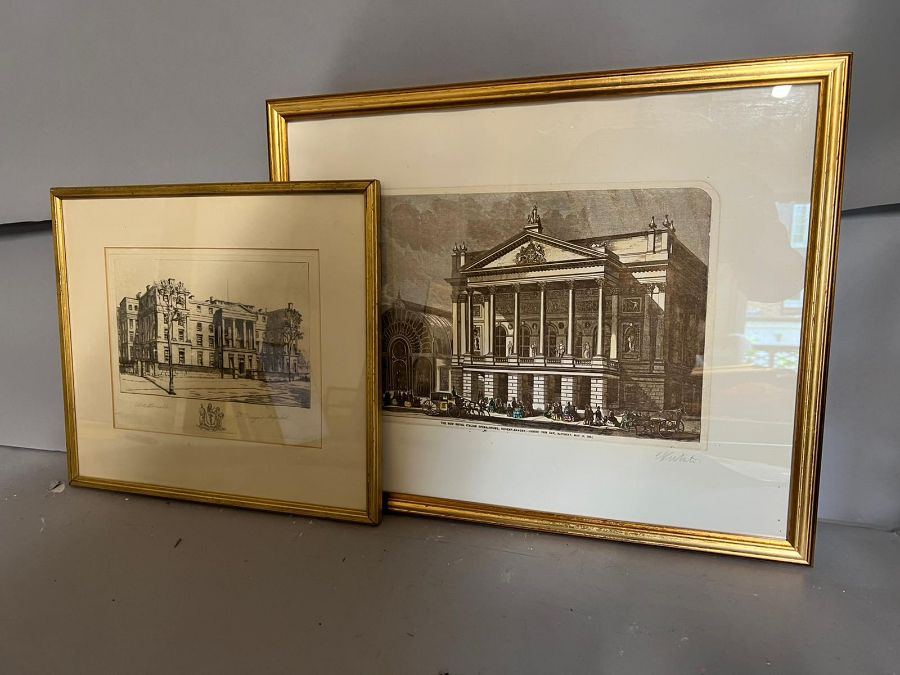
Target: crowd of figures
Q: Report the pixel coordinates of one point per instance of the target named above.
(663, 423)
(569, 413)
(483, 406)
(497, 406)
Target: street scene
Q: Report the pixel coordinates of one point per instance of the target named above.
(667, 424)
(216, 342)
(173, 344)
(584, 310)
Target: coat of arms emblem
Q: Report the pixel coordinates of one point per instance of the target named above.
(211, 418)
(530, 254)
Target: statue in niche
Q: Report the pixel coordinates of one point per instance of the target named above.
(630, 339)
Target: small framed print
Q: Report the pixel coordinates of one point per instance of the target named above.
(606, 297)
(219, 343)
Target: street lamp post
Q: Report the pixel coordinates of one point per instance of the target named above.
(168, 292)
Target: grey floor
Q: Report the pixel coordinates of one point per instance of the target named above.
(99, 582)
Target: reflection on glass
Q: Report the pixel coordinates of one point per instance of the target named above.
(771, 337)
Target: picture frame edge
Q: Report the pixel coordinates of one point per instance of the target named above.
(368, 189)
(830, 71)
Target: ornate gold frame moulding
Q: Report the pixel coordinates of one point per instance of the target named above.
(370, 190)
(831, 72)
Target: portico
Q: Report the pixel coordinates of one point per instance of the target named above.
(547, 320)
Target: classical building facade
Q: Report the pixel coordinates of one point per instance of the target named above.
(126, 325)
(208, 335)
(615, 321)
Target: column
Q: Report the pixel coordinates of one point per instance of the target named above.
(566, 388)
(538, 400)
(659, 325)
(485, 329)
(570, 333)
(515, 349)
(543, 321)
(598, 393)
(599, 347)
(647, 294)
(463, 325)
(454, 335)
(493, 323)
(660, 354)
(512, 386)
(614, 326)
(470, 326)
(490, 385)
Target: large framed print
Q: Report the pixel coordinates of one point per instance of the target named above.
(605, 298)
(219, 343)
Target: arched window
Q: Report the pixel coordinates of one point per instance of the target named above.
(550, 337)
(524, 340)
(399, 368)
(412, 340)
(500, 341)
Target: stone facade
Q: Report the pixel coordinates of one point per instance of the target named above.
(613, 321)
(209, 335)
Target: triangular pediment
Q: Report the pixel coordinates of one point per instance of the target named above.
(532, 248)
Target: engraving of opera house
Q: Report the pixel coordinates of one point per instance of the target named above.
(614, 321)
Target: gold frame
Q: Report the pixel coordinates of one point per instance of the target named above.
(370, 190)
(831, 72)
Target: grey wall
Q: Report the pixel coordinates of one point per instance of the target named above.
(860, 480)
(31, 407)
(127, 91)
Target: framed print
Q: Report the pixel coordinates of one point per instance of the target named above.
(220, 343)
(605, 298)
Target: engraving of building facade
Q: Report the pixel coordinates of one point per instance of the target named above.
(211, 335)
(612, 321)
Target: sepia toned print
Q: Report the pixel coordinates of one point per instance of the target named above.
(228, 330)
(575, 310)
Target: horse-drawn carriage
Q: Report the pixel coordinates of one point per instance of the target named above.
(662, 424)
(448, 404)
(442, 404)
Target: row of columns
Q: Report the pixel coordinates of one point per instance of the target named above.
(464, 324)
(599, 396)
(248, 334)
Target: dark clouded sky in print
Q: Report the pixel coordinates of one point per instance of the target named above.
(419, 231)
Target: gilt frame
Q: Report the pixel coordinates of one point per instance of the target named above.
(830, 72)
(370, 445)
